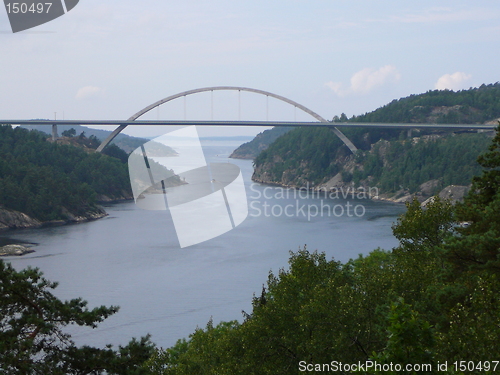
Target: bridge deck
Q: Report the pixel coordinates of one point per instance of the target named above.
(251, 123)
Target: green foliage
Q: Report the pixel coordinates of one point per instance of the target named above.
(32, 340)
(420, 229)
(69, 133)
(391, 166)
(123, 141)
(46, 180)
(295, 318)
(410, 340)
(431, 300)
(451, 160)
(474, 330)
(477, 248)
(89, 142)
(319, 311)
(308, 153)
(210, 351)
(475, 105)
(316, 155)
(116, 152)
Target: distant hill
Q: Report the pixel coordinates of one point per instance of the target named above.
(315, 156)
(232, 138)
(250, 150)
(472, 106)
(126, 142)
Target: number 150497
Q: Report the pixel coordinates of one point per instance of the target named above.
(475, 366)
(28, 8)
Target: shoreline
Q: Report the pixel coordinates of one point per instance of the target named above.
(453, 193)
(341, 190)
(12, 222)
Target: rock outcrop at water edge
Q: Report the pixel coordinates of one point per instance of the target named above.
(10, 219)
(18, 250)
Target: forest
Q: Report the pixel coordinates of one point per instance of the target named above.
(46, 180)
(428, 306)
(314, 156)
(451, 160)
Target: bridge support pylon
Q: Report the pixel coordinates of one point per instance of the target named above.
(54, 132)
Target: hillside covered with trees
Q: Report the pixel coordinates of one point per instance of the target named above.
(49, 181)
(391, 159)
(472, 106)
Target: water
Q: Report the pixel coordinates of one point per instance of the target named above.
(132, 259)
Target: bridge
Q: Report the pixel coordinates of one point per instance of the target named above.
(321, 122)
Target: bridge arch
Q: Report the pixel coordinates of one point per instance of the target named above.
(134, 117)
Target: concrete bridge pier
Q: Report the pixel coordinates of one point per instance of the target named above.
(54, 132)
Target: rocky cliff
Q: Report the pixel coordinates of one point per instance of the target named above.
(10, 219)
(15, 249)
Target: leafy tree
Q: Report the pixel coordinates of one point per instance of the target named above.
(209, 351)
(116, 152)
(410, 341)
(420, 228)
(32, 340)
(69, 133)
(473, 330)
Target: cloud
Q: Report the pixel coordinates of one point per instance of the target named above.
(366, 80)
(336, 87)
(88, 92)
(453, 81)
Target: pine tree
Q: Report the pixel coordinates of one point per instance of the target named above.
(32, 337)
(477, 247)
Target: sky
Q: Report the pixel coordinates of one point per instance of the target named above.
(109, 59)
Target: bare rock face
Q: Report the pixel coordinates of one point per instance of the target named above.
(429, 187)
(454, 193)
(17, 250)
(94, 214)
(10, 219)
